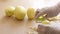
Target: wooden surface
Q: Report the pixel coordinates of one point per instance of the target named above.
(10, 25)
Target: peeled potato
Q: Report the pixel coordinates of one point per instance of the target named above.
(9, 11)
(52, 19)
(20, 12)
(30, 13)
(42, 20)
(45, 22)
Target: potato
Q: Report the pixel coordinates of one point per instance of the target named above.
(30, 13)
(52, 19)
(45, 22)
(9, 11)
(20, 12)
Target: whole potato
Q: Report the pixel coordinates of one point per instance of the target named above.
(20, 12)
(9, 11)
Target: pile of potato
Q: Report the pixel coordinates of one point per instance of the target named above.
(20, 12)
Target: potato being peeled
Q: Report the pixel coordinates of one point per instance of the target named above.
(9, 11)
(30, 13)
(52, 19)
(45, 22)
(20, 12)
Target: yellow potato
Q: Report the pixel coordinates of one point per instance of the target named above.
(9, 11)
(52, 19)
(30, 13)
(20, 12)
(45, 22)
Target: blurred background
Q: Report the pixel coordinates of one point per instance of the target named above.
(28, 3)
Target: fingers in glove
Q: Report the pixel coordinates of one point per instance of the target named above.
(37, 12)
(40, 14)
(42, 29)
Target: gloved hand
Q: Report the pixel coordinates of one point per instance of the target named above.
(50, 11)
(54, 28)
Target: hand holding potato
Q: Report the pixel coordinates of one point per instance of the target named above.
(50, 11)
